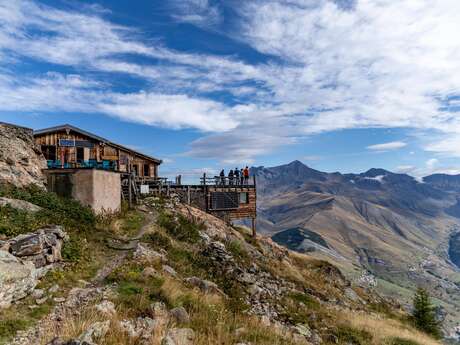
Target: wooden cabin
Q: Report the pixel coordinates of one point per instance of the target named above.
(70, 147)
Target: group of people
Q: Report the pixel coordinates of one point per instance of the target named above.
(235, 177)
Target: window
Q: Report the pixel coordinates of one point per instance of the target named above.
(244, 198)
(80, 154)
(146, 169)
(49, 151)
(135, 169)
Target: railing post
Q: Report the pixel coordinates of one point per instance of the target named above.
(204, 179)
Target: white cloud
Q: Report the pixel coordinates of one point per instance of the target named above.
(198, 12)
(393, 145)
(431, 163)
(405, 169)
(337, 65)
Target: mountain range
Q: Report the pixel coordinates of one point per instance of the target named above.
(400, 231)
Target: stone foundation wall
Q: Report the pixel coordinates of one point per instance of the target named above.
(99, 189)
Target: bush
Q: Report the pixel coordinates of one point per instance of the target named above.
(158, 239)
(56, 210)
(423, 315)
(73, 249)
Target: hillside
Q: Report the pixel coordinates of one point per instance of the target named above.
(170, 274)
(389, 225)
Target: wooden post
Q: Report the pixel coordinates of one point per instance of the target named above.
(254, 228)
(130, 193)
(188, 195)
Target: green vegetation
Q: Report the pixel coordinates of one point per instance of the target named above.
(401, 341)
(180, 227)
(424, 316)
(350, 335)
(56, 210)
(11, 326)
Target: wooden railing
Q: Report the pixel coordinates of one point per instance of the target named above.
(226, 181)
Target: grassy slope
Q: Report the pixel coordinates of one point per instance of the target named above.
(216, 320)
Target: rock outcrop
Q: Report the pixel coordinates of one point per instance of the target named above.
(24, 259)
(42, 247)
(17, 279)
(21, 160)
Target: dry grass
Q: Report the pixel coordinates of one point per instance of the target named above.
(383, 329)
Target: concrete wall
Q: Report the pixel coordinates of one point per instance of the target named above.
(99, 189)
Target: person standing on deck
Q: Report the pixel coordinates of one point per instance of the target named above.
(237, 176)
(246, 175)
(241, 176)
(222, 177)
(230, 177)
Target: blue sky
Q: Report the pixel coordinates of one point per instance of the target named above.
(341, 85)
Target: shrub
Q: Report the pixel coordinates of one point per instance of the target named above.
(423, 315)
(56, 210)
(73, 249)
(158, 240)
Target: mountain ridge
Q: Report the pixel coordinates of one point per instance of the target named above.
(391, 225)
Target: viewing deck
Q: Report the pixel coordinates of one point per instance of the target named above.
(227, 198)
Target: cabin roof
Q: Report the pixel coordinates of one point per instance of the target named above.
(95, 137)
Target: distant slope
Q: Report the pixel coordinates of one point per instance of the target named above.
(389, 224)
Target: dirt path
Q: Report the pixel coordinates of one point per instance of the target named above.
(131, 245)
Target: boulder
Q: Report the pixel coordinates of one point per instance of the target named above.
(145, 254)
(42, 247)
(19, 204)
(106, 307)
(205, 286)
(169, 270)
(17, 279)
(180, 315)
(179, 336)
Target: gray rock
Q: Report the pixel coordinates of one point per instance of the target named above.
(179, 336)
(180, 315)
(205, 286)
(106, 307)
(54, 288)
(59, 299)
(95, 331)
(146, 254)
(40, 301)
(19, 204)
(17, 279)
(42, 247)
(38, 293)
(169, 270)
(303, 330)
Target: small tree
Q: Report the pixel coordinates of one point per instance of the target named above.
(424, 315)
